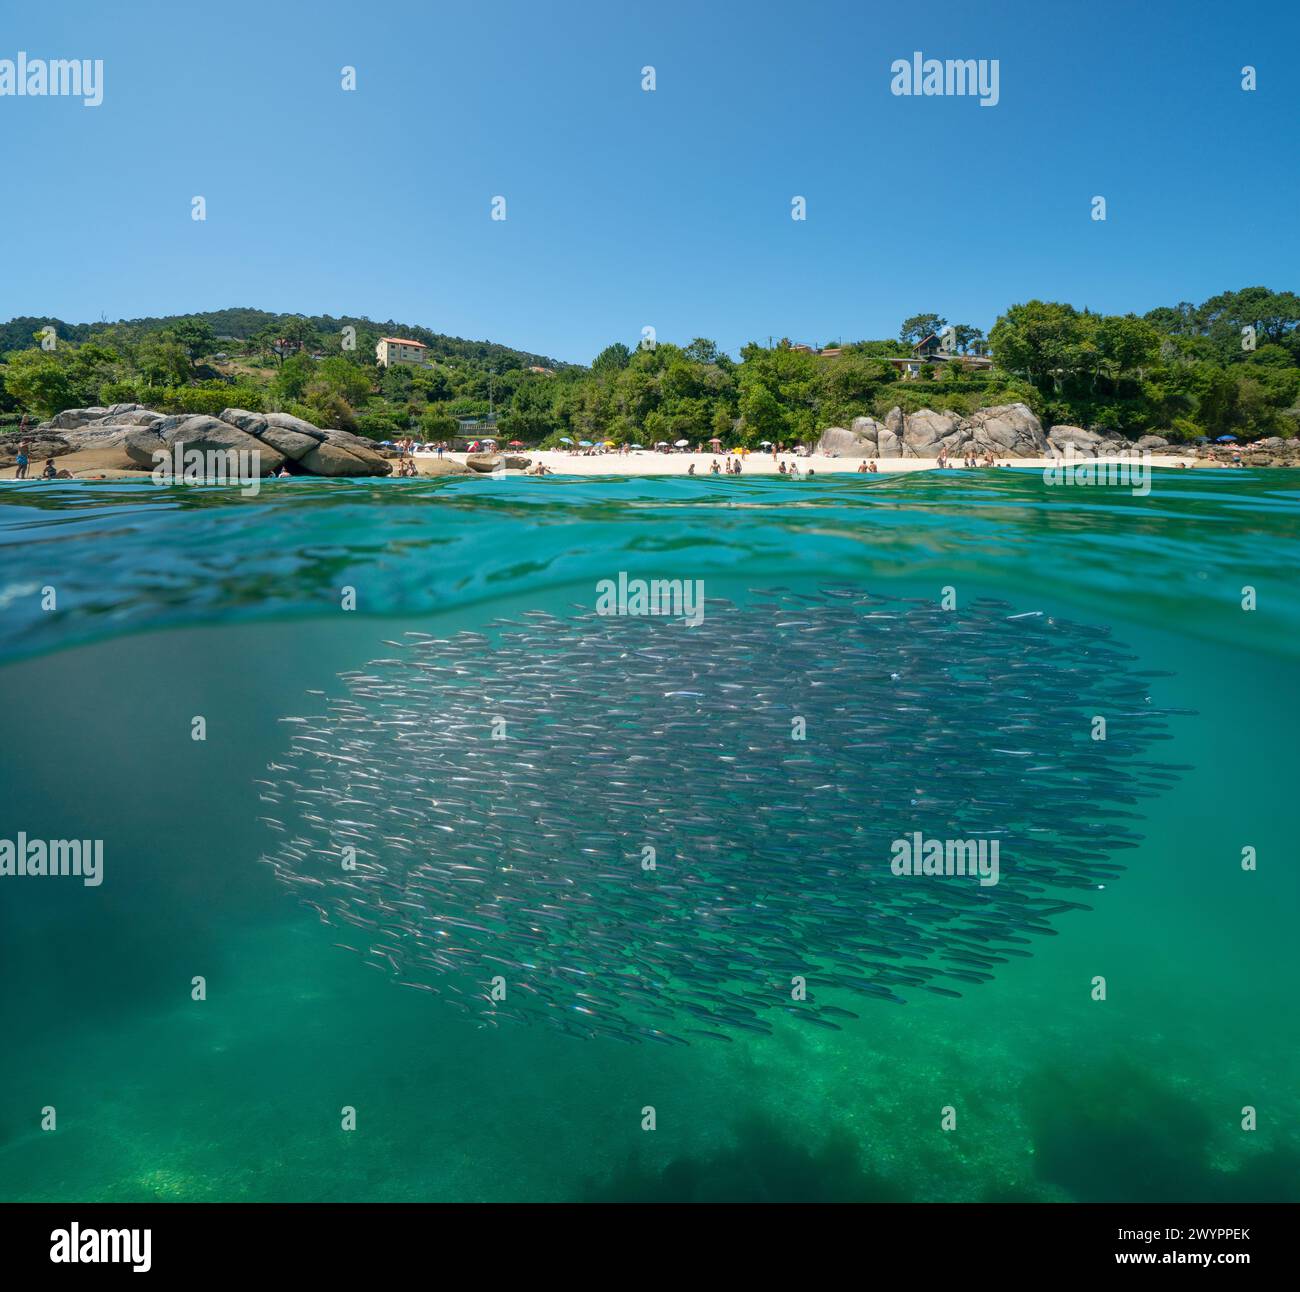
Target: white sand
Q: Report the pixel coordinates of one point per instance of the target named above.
(677, 464)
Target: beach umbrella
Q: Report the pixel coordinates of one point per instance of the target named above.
(765, 444)
(516, 444)
(564, 439)
(609, 444)
(584, 444)
(1225, 439)
(682, 444)
(715, 440)
(636, 446)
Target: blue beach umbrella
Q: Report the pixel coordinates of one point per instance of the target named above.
(584, 444)
(564, 439)
(1226, 439)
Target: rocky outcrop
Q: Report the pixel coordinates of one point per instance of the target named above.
(126, 437)
(1271, 452)
(483, 462)
(73, 417)
(426, 466)
(927, 432)
(1008, 430)
(326, 459)
(861, 439)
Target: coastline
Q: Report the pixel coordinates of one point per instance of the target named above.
(678, 464)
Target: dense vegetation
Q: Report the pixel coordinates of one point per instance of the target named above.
(1185, 371)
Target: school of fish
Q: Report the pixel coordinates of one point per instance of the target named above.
(631, 827)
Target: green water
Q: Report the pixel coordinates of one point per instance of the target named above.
(177, 603)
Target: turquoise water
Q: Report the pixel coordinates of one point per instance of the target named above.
(176, 603)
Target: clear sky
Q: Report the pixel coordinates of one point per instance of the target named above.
(628, 208)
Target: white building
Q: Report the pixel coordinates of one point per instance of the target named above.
(395, 349)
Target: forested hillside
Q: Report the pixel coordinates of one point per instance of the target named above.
(1228, 366)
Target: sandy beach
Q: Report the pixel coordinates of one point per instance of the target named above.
(647, 463)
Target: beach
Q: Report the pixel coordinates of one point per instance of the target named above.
(648, 463)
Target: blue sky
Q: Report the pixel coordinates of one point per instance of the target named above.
(628, 209)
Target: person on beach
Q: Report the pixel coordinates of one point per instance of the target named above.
(862, 466)
(714, 468)
(811, 472)
(781, 468)
(50, 470)
(690, 470)
(21, 462)
(737, 466)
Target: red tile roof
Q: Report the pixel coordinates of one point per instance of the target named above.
(397, 340)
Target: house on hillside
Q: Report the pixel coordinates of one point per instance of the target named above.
(930, 350)
(395, 349)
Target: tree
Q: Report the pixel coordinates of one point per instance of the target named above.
(702, 350)
(920, 326)
(1040, 340)
(613, 358)
(195, 336)
(39, 382)
(438, 424)
(295, 374)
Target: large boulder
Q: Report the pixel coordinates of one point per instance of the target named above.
(360, 447)
(925, 433)
(517, 462)
(141, 443)
(441, 467)
(293, 444)
(891, 446)
(1151, 443)
(211, 434)
(253, 423)
(861, 439)
(328, 459)
(40, 445)
(1008, 431)
(287, 422)
(94, 436)
(483, 462)
(1082, 442)
(71, 417)
(126, 415)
